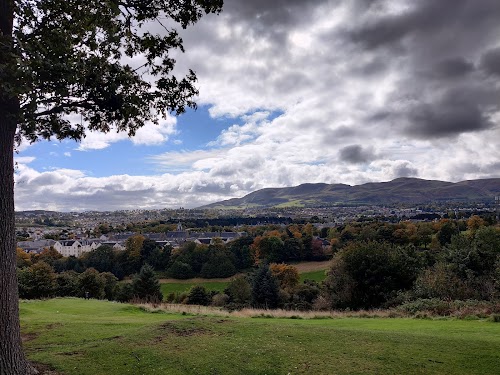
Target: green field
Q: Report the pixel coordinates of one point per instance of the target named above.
(75, 336)
(179, 287)
(313, 275)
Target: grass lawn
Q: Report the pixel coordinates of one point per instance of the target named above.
(76, 336)
(169, 287)
(313, 275)
(308, 270)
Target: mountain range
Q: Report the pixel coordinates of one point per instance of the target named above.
(400, 190)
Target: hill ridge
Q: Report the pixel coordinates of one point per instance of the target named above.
(400, 190)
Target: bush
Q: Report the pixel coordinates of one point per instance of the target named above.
(37, 281)
(220, 299)
(239, 291)
(124, 292)
(198, 295)
(180, 270)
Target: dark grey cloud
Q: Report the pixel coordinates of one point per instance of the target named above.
(265, 13)
(447, 117)
(405, 170)
(427, 19)
(455, 67)
(356, 154)
(438, 49)
(490, 62)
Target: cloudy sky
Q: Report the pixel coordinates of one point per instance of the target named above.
(294, 91)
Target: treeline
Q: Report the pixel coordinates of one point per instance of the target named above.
(267, 286)
(373, 265)
(41, 281)
(267, 243)
(376, 274)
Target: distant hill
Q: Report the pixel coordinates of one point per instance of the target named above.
(400, 190)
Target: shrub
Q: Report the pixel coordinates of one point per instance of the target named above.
(239, 291)
(198, 295)
(180, 270)
(220, 299)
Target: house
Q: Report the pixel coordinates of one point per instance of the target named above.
(35, 246)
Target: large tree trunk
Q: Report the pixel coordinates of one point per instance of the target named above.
(12, 358)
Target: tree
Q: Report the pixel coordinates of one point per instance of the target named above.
(101, 259)
(239, 291)
(91, 284)
(62, 57)
(265, 288)
(287, 276)
(146, 286)
(368, 274)
(37, 281)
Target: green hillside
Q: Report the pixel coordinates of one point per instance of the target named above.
(401, 190)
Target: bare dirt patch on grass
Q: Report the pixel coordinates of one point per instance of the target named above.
(44, 369)
(29, 336)
(173, 329)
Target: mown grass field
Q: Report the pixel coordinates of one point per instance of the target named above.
(313, 275)
(308, 270)
(75, 336)
(180, 287)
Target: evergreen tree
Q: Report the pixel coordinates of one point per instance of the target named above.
(265, 288)
(198, 295)
(146, 286)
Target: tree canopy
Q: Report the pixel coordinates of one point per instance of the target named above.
(74, 57)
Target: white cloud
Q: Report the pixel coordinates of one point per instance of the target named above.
(149, 134)
(330, 93)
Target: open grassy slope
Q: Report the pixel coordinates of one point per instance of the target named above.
(82, 337)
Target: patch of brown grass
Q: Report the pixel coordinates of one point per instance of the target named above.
(278, 313)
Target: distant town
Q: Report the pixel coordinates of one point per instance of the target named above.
(74, 233)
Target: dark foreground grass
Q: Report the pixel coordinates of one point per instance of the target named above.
(75, 336)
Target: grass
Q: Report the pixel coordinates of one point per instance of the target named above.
(313, 275)
(308, 270)
(82, 337)
(179, 287)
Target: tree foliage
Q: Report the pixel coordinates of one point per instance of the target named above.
(146, 286)
(265, 288)
(74, 57)
(368, 274)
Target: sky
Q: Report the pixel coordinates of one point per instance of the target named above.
(291, 92)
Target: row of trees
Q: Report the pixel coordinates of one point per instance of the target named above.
(464, 264)
(267, 286)
(41, 281)
(375, 274)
